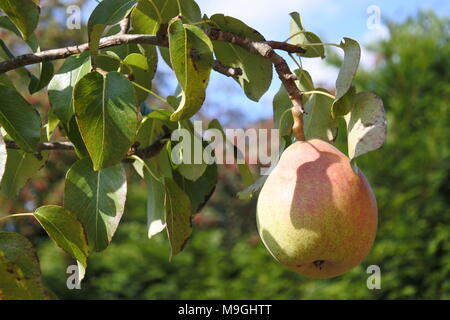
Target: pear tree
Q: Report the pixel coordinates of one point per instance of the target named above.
(97, 98)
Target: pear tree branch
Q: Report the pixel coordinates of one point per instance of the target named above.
(265, 49)
(144, 153)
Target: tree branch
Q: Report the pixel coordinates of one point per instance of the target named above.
(122, 38)
(265, 49)
(144, 153)
(227, 71)
(286, 76)
(44, 146)
(62, 53)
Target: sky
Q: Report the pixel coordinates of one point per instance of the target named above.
(331, 20)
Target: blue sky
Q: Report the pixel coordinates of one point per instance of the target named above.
(331, 20)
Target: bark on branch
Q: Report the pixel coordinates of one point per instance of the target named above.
(143, 153)
(264, 49)
(62, 53)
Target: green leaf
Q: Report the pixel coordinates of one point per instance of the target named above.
(3, 157)
(201, 190)
(345, 104)
(20, 167)
(318, 121)
(142, 73)
(97, 198)
(256, 71)
(74, 135)
(23, 13)
(244, 170)
(178, 216)
(20, 273)
(64, 228)
(301, 37)
(106, 116)
(46, 69)
(191, 168)
(105, 14)
(148, 15)
(5, 81)
(46, 74)
(52, 124)
(352, 56)
(250, 191)
(366, 124)
(154, 171)
(20, 120)
(191, 54)
(165, 54)
(60, 88)
(152, 126)
(6, 54)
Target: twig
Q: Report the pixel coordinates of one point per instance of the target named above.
(43, 146)
(144, 153)
(229, 72)
(125, 24)
(153, 149)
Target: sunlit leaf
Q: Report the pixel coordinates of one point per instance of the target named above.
(366, 124)
(154, 171)
(142, 73)
(352, 56)
(60, 88)
(105, 14)
(65, 229)
(106, 114)
(20, 167)
(97, 198)
(51, 125)
(191, 54)
(256, 71)
(149, 15)
(20, 120)
(318, 121)
(301, 37)
(23, 13)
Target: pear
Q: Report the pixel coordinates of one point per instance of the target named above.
(316, 214)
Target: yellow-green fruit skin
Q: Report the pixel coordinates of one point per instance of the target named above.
(315, 214)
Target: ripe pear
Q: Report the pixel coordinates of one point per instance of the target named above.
(315, 214)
